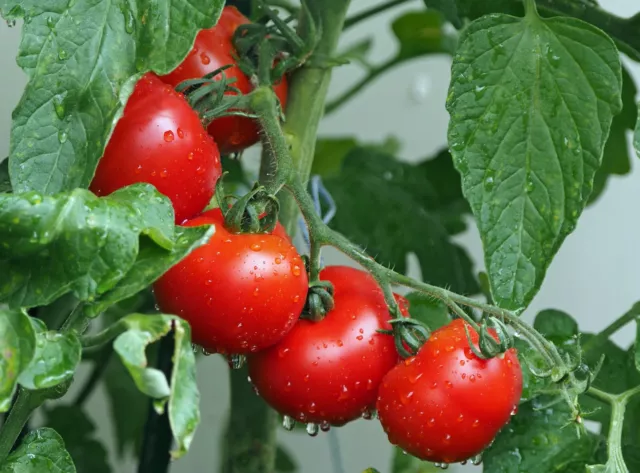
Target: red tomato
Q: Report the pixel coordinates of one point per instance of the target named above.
(213, 49)
(160, 140)
(403, 304)
(328, 372)
(446, 404)
(240, 293)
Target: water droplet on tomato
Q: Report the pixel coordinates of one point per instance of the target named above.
(431, 422)
(204, 58)
(256, 292)
(476, 423)
(200, 170)
(244, 344)
(448, 348)
(154, 173)
(296, 298)
(448, 384)
(344, 394)
(372, 341)
(325, 426)
(447, 439)
(410, 360)
(312, 429)
(359, 337)
(514, 411)
(406, 398)
(180, 133)
(236, 361)
(472, 378)
(164, 173)
(296, 270)
(339, 343)
(460, 418)
(287, 387)
(312, 407)
(190, 156)
(278, 260)
(168, 136)
(415, 377)
(282, 352)
(205, 352)
(288, 423)
(477, 459)
(306, 378)
(434, 385)
(255, 246)
(138, 169)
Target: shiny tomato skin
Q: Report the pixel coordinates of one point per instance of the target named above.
(213, 49)
(160, 140)
(446, 404)
(328, 372)
(239, 293)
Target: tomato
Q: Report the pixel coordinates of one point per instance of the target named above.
(239, 292)
(328, 372)
(446, 404)
(213, 49)
(403, 304)
(160, 140)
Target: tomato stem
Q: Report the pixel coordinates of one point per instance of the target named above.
(26, 402)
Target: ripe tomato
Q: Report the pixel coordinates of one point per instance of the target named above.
(240, 293)
(446, 404)
(213, 49)
(160, 140)
(328, 372)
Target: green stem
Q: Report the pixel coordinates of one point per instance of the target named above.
(352, 91)
(108, 334)
(250, 440)
(307, 93)
(530, 8)
(366, 14)
(26, 402)
(616, 325)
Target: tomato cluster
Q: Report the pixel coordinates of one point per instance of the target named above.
(244, 293)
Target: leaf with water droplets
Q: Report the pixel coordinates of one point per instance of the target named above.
(42, 450)
(538, 440)
(417, 209)
(531, 104)
(17, 346)
(182, 394)
(55, 360)
(82, 59)
(87, 244)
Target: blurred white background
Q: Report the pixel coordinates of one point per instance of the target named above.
(594, 276)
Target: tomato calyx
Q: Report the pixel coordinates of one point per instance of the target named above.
(490, 345)
(408, 334)
(319, 300)
(214, 96)
(255, 212)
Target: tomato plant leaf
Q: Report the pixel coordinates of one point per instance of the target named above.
(622, 30)
(151, 263)
(18, 344)
(431, 312)
(86, 243)
(182, 395)
(54, 361)
(405, 463)
(41, 450)
(82, 59)
(413, 210)
(555, 325)
(538, 440)
(420, 33)
(78, 432)
(616, 159)
(449, 9)
(531, 102)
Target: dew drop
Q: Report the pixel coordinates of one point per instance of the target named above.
(325, 426)
(344, 394)
(62, 54)
(58, 105)
(476, 460)
(278, 260)
(62, 136)
(406, 398)
(138, 169)
(476, 423)
(168, 136)
(288, 422)
(312, 407)
(180, 133)
(312, 429)
(236, 361)
(296, 270)
(255, 246)
(205, 352)
(164, 173)
(431, 422)
(205, 59)
(190, 156)
(359, 337)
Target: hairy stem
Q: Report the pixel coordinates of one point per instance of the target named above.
(307, 93)
(20, 412)
(250, 440)
(366, 14)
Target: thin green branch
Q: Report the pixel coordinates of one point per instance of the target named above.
(105, 336)
(366, 14)
(356, 88)
(26, 402)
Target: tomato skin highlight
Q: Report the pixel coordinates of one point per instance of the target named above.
(239, 293)
(446, 404)
(213, 49)
(328, 372)
(160, 140)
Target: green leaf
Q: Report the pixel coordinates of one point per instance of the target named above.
(284, 462)
(405, 463)
(431, 312)
(538, 440)
(79, 432)
(82, 59)
(55, 360)
(18, 342)
(182, 396)
(5, 182)
(616, 159)
(420, 33)
(531, 103)
(41, 451)
(556, 325)
(88, 244)
(449, 9)
(151, 263)
(622, 30)
(410, 211)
